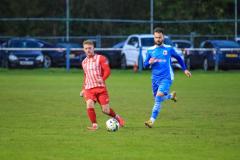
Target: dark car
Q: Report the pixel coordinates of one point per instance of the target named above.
(76, 55)
(181, 43)
(238, 40)
(2, 41)
(224, 54)
(113, 56)
(52, 55)
(20, 58)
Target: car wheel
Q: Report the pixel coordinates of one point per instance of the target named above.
(47, 61)
(205, 64)
(123, 62)
(188, 62)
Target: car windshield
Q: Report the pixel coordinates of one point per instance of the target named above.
(119, 45)
(23, 44)
(148, 42)
(226, 44)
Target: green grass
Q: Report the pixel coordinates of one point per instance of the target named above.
(42, 117)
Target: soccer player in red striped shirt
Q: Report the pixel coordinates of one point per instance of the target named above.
(96, 71)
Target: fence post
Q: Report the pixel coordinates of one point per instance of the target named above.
(68, 58)
(216, 52)
(192, 37)
(140, 60)
(98, 41)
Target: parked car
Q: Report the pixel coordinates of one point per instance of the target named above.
(51, 57)
(20, 58)
(119, 45)
(225, 53)
(130, 50)
(238, 40)
(180, 43)
(76, 56)
(113, 56)
(2, 41)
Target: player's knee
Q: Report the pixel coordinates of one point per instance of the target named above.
(160, 94)
(90, 103)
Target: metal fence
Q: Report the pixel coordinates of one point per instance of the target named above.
(109, 40)
(218, 57)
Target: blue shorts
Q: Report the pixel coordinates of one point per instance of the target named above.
(161, 85)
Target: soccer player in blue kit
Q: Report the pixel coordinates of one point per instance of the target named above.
(159, 59)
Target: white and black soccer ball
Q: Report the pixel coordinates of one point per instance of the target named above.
(112, 125)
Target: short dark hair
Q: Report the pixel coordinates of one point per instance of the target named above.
(159, 30)
(88, 42)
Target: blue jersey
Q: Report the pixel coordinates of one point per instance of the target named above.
(162, 68)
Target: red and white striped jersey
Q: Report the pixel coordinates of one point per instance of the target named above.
(96, 70)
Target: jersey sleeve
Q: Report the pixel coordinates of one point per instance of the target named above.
(84, 78)
(179, 59)
(146, 61)
(105, 67)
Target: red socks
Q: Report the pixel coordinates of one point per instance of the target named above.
(92, 115)
(112, 113)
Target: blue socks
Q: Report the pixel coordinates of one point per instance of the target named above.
(157, 106)
(169, 96)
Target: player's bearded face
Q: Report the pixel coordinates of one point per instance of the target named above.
(88, 49)
(158, 38)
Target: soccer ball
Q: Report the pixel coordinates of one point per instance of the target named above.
(112, 125)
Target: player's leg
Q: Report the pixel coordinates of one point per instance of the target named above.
(103, 100)
(90, 102)
(109, 111)
(165, 90)
(92, 114)
(162, 90)
(155, 85)
(155, 110)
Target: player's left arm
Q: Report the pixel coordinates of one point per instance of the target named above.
(105, 67)
(181, 62)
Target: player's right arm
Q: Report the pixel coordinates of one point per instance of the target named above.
(146, 63)
(83, 86)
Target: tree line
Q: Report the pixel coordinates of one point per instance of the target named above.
(115, 9)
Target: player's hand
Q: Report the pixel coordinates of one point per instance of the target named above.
(81, 93)
(99, 80)
(151, 60)
(187, 73)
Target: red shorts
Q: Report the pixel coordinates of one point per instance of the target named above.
(97, 94)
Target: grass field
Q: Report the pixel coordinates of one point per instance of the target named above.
(42, 117)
